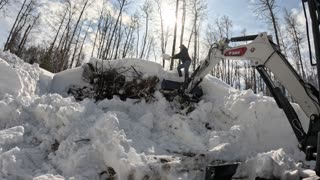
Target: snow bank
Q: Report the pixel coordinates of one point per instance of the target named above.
(47, 136)
(62, 81)
(148, 68)
(19, 78)
(12, 85)
(254, 123)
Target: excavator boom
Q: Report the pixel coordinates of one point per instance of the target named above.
(265, 55)
(262, 53)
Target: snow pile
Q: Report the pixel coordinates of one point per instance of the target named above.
(19, 78)
(51, 136)
(10, 85)
(252, 122)
(62, 81)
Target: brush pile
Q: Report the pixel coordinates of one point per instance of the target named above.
(122, 82)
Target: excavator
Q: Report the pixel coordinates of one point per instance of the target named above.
(265, 55)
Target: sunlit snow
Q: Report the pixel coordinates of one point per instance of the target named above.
(47, 135)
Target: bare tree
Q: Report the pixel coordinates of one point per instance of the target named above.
(26, 35)
(221, 29)
(198, 10)
(138, 35)
(97, 32)
(121, 6)
(75, 49)
(266, 9)
(296, 37)
(61, 51)
(65, 63)
(146, 9)
(129, 36)
(227, 25)
(163, 48)
(82, 45)
(116, 47)
(104, 38)
(3, 4)
(175, 34)
(19, 23)
(57, 34)
(183, 20)
(211, 35)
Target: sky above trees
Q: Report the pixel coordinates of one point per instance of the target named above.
(238, 10)
(242, 15)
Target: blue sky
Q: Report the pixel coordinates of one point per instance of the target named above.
(241, 13)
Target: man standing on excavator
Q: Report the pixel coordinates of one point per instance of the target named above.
(183, 55)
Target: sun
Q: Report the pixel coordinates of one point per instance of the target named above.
(168, 15)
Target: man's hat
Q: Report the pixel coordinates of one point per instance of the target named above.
(182, 46)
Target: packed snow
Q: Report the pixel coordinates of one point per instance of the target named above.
(46, 134)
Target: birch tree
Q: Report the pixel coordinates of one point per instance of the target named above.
(296, 37)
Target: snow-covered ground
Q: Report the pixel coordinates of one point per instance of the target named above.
(46, 135)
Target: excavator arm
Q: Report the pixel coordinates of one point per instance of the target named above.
(264, 54)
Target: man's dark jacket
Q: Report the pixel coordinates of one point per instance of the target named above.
(183, 55)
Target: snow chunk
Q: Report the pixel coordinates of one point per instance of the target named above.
(63, 80)
(45, 81)
(28, 75)
(49, 177)
(273, 164)
(12, 85)
(114, 147)
(12, 135)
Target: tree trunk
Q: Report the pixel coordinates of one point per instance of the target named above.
(97, 33)
(14, 26)
(175, 35)
(190, 37)
(138, 38)
(195, 41)
(183, 20)
(274, 24)
(119, 40)
(56, 36)
(115, 27)
(84, 39)
(128, 39)
(76, 47)
(3, 3)
(104, 41)
(73, 34)
(163, 50)
(145, 36)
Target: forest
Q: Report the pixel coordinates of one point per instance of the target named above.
(76, 30)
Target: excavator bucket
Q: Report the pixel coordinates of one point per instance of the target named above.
(173, 88)
(223, 171)
(171, 85)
